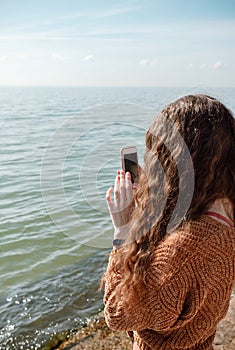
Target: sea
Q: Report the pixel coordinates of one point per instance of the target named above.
(59, 153)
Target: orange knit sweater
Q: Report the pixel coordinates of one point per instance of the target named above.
(189, 284)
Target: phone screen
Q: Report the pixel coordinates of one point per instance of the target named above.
(131, 165)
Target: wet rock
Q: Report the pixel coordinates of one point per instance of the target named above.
(97, 336)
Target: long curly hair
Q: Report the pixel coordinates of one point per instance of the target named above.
(189, 163)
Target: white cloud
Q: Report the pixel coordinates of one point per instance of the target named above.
(88, 58)
(148, 62)
(144, 62)
(4, 58)
(217, 65)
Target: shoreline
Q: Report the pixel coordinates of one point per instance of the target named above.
(97, 336)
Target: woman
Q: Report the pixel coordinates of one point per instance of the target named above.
(172, 268)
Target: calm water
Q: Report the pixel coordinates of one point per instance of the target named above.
(59, 154)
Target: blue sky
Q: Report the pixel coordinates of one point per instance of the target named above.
(117, 43)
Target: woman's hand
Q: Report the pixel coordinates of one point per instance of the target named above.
(122, 206)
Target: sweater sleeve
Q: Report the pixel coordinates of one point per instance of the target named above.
(156, 305)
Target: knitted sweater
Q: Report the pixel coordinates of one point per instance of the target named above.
(189, 284)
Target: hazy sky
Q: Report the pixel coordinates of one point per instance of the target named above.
(117, 43)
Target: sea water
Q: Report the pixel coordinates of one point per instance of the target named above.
(60, 150)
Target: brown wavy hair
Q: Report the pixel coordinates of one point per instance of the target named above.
(189, 158)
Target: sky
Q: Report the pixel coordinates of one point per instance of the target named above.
(117, 43)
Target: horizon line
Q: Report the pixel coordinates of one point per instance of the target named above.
(119, 86)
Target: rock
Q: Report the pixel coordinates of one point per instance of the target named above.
(225, 333)
(97, 336)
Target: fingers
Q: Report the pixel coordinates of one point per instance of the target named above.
(109, 198)
(122, 204)
(129, 188)
(117, 190)
(109, 194)
(123, 191)
(122, 188)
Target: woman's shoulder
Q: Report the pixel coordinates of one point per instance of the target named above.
(194, 244)
(204, 237)
(195, 233)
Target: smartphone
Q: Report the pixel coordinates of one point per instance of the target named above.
(129, 161)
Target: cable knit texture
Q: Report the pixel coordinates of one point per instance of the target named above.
(189, 284)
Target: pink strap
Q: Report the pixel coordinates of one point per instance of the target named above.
(219, 216)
